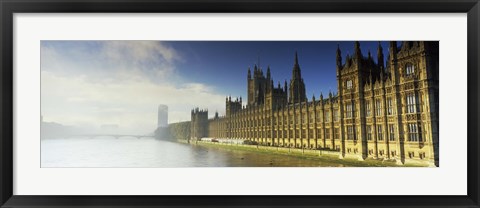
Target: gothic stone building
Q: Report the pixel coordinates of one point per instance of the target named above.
(382, 112)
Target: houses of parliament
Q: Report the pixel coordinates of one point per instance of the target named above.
(383, 109)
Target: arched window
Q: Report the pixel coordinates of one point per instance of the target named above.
(409, 69)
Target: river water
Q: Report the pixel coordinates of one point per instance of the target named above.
(151, 153)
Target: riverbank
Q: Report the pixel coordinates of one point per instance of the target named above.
(321, 155)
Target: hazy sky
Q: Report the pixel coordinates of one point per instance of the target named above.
(93, 83)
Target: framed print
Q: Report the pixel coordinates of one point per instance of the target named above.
(212, 103)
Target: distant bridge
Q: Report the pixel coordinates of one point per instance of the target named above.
(116, 136)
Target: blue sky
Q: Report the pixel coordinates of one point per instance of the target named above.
(94, 83)
(224, 64)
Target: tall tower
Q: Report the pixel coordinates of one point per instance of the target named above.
(199, 124)
(162, 116)
(380, 60)
(257, 86)
(297, 86)
(350, 82)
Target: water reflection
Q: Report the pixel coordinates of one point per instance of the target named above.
(151, 153)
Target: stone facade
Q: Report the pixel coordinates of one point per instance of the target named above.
(381, 112)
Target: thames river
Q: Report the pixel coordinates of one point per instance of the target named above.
(152, 153)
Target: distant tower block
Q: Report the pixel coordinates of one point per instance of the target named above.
(162, 116)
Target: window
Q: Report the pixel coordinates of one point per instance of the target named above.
(327, 116)
(391, 132)
(411, 103)
(305, 118)
(369, 133)
(409, 69)
(389, 106)
(414, 134)
(378, 107)
(351, 133)
(335, 115)
(327, 133)
(349, 84)
(349, 110)
(379, 133)
(337, 133)
(369, 108)
(319, 113)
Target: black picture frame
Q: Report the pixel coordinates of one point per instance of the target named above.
(9, 7)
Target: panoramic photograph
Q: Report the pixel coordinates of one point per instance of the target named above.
(185, 104)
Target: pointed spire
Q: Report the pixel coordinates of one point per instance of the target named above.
(296, 74)
(278, 85)
(339, 56)
(380, 60)
(249, 73)
(268, 72)
(313, 96)
(296, 58)
(357, 51)
(393, 50)
(321, 96)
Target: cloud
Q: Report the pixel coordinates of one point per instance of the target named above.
(110, 60)
(117, 82)
(139, 51)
